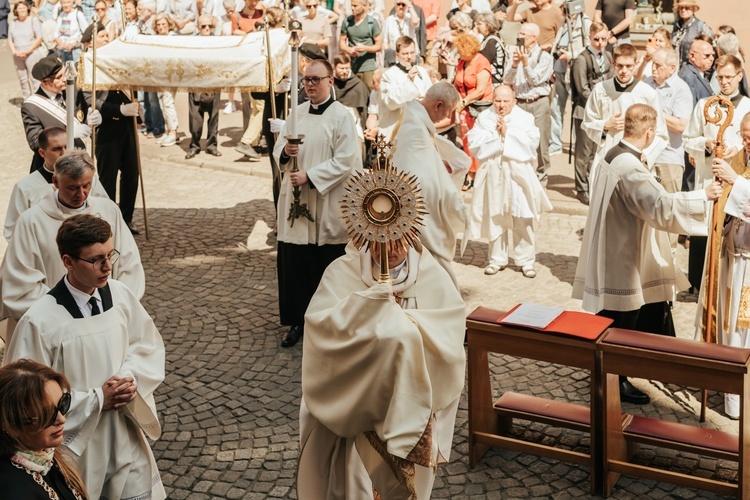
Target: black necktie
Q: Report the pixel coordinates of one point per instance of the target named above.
(94, 306)
(60, 101)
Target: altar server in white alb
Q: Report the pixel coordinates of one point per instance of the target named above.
(625, 270)
(362, 426)
(417, 153)
(733, 250)
(32, 264)
(508, 196)
(329, 155)
(30, 190)
(95, 331)
(400, 84)
(604, 117)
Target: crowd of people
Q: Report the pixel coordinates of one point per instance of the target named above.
(477, 105)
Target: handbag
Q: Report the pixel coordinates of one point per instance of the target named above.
(477, 107)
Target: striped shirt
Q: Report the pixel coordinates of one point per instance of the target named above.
(532, 81)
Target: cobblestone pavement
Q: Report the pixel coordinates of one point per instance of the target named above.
(230, 400)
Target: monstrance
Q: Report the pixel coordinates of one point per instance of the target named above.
(383, 205)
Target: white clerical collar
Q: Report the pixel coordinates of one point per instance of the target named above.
(626, 143)
(82, 298)
(68, 210)
(316, 106)
(51, 172)
(49, 95)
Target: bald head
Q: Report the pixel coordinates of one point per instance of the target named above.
(440, 101)
(701, 55)
(745, 133)
(504, 98)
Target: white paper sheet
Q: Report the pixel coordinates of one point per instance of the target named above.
(533, 315)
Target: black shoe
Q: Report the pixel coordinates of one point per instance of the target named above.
(191, 153)
(213, 152)
(583, 197)
(468, 183)
(133, 230)
(630, 394)
(292, 336)
(248, 151)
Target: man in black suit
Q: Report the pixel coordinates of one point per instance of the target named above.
(115, 140)
(47, 107)
(200, 104)
(700, 61)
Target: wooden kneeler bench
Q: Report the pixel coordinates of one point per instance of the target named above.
(677, 361)
(489, 423)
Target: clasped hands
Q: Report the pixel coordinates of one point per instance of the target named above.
(118, 392)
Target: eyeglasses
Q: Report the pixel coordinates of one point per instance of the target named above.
(63, 406)
(727, 78)
(98, 263)
(206, 26)
(313, 80)
(704, 55)
(312, 6)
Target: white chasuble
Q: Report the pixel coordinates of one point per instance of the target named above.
(369, 365)
(626, 259)
(32, 263)
(605, 102)
(397, 90)
(112, 449)
(506, 185)
(329, 155)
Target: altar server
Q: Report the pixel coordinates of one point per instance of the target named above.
(32, 264)
(31, 189)
(329, 155)
(700, 143)
(508, 195)
(401, 418)
(400, 84)
(604, 117)
(94, 330)
(625, 270)
(416, 152)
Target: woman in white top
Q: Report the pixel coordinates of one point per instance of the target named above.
(24, 38)
(102, 10)
(71, 23)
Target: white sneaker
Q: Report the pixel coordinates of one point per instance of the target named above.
(169, 140)
(229, 108)
(161, 139)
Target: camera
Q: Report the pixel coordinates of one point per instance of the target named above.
(575, 6)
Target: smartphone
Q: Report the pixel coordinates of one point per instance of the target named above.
(520, 41)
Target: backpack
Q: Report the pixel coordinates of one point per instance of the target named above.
(350, 23)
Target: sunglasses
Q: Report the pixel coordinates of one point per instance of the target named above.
(312, 6)
(207, 26)
(400, 5)
(63, 406)
(600, 39)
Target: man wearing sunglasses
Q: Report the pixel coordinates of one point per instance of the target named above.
(327, 158)
(32, 263)
(95, 331)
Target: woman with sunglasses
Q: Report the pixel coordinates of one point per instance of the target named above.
(102, 11)
(687, 27)
(33, 402)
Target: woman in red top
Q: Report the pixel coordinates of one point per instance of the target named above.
(474, 82)
(243, 22)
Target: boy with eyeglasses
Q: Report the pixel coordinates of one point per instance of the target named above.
(327, 158)
(700, 145)
(32, 265)
(88, 320)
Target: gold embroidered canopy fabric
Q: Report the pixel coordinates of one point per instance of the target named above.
(187, 63)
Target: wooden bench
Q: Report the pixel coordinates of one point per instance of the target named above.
(677, 361)
(489, 423)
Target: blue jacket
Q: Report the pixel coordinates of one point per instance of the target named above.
(699, 84)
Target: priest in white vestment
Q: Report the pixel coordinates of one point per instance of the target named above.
(508, 196)
(32, 263)
(604, 116)
(731, 304)
(31, 189)
(95, 331)
(700, 142)
(625, 270)
(360, 422)
(329, 155)
(400, 84)
(416, 152)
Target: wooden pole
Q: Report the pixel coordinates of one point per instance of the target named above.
(93, 84)
(710, 293)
